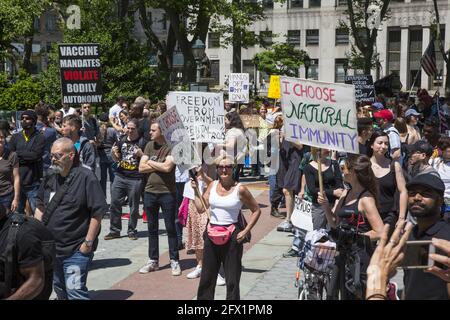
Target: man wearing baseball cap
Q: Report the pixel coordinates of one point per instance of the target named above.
(425, 199)
(419, 155)
(29, 145)
(384, 119)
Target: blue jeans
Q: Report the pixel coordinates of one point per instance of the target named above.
(152, 203)
(30, 193)
(106, 168)
(7, 199)
(70, 276)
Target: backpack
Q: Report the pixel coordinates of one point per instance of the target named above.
(9, 256)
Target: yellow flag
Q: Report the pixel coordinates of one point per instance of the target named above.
(274, 87)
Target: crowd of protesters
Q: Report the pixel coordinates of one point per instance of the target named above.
(55, 161)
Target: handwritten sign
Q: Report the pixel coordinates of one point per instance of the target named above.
(364, 88)
(274, 87)
(238, 90)
(302, 214)
(202, 114)
(319, 114)
(250, 120)
(80, 73)
(176, 137)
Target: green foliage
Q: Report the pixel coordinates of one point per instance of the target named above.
(281, 59)
(21, 95)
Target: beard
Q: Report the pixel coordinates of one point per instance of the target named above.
(26, 125)
(56, 168)
(422, 211)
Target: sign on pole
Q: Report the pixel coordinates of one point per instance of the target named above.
(202, 114)
(176, 135)
(364, 88)
(302, 214)
(80, 73)
(238, 89)
(274, 87)
(319, 114)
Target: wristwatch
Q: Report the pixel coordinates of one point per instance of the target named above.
(88, 243)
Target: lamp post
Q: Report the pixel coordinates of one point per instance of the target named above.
(198, 50)
(307, 63)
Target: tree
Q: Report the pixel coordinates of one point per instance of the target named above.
(445, 55)
(364, 17)
(22, 94)
(281, 59)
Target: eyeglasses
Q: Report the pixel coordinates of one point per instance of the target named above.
(230, 166)
(25, 118)
(423, 193)
(57, 156)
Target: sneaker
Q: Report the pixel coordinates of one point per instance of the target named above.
(111, 236)
(275, 213)
(392, 292)
(144, 217)
(285, 226)
(175, 266)
(220, 280)
(126, 216)
(290, 254)
(195, 273)
(152, 265)
(132, 236)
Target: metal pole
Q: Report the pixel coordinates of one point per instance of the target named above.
(198, 71)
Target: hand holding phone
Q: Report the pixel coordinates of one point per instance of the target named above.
(417, 255)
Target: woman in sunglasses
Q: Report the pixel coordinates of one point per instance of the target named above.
(224, 237)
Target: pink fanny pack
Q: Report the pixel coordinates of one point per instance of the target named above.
(220, 235)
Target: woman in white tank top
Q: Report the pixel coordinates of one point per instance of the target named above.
(225, 198)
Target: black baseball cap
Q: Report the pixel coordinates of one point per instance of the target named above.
(420, 146)
(430, 180)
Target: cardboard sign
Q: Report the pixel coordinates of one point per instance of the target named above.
(202, 114)
(177, 138)
(250, 120)
(274, 88)
(319, 114)
(80, 73)
(364, 88)
(302, 214)
(238, 90)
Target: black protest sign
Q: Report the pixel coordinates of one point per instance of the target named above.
(364, 88)
(80, 73)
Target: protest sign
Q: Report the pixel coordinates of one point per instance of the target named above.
(250, 120)
(274, 87)
(364, 88)
(302, 214)
(177, 138)
(202, 114)
(238, 89)
(80, 73)
(319, 114)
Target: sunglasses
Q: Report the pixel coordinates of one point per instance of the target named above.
(230, 166)
(423, 193)
(57, 156)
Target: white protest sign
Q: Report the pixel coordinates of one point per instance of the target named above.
(319, 114)
(202, 114)
(238, 89)
(178, 139)
(302, 214)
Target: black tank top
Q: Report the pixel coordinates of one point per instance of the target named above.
(351, 216)
(387, 185)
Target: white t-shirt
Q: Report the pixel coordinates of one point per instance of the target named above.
(114, 111)
(443, 168)
(71, 111)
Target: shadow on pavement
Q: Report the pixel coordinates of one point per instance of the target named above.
(185, 264)
(110, 294)
(109, 263)
(249, 270)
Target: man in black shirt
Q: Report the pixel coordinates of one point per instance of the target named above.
(425, 198)
(75, 222)
(127, 181)
(29, 279)
(29, 145)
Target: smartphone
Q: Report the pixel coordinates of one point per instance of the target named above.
(417, 255)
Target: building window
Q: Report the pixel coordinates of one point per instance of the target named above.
(415, 53)
(268, 4)
(213, 40)
(339, 71)
(248, 67)
(341, 36)
(314, 3)
(215, 71)
(293, 37)
(296, 4)
(313, 70)
(312, 37)
(394, 45)
(341, 3)
(266, 38)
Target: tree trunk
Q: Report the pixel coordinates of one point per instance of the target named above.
(237, 44)
(367, 62)
(447, 81)
(27, 52)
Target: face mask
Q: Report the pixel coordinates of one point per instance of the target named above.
(26, 125)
